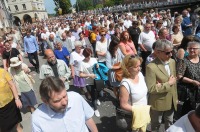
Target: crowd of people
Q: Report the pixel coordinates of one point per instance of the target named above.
(149, 60)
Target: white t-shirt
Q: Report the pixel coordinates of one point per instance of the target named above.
(14, 45)
(102, 47)
(44, 36)
(147, 39)
(75, 58)
(182, 125)
(138, 91)
(86, 67)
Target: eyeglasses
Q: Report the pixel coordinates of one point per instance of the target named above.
(193, 48)
(132, 56)
(160, 23)
(147, 27)
(166, 53)
(103, 34)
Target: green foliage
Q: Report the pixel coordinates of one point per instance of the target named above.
(64, 4)
(99, 6)
(109, 2)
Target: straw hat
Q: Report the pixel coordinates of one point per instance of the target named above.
(14, 62)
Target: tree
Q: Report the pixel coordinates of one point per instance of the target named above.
(65, 5)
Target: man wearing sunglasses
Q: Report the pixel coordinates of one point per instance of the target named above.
(161, 82)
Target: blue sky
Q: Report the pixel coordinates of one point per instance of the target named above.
(49, 5)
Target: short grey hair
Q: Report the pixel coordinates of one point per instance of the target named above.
(162, 44)
(193, 43)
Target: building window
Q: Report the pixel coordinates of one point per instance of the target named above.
(16, 8)
(24, 6)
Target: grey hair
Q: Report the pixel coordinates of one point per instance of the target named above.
(193, 43)
(162, 44)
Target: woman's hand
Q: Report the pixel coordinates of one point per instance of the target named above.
(92, 76)
(195, 83)
(18, 103)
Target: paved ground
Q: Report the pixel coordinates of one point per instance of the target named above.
(106, 123)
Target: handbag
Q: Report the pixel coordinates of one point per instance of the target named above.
(118, 72)
(123, 117)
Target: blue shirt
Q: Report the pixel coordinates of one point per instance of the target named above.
(78, 111)
(30, 44)
(62, 54)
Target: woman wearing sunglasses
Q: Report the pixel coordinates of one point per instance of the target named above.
(102, 46)
(188, 73)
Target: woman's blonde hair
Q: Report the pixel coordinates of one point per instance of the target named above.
(129, 61)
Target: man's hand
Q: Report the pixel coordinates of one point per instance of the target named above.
(172, 80)
(38, 52)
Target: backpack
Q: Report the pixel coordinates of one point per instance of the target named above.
(89, 37)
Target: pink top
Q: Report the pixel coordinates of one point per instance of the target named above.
(129, 46)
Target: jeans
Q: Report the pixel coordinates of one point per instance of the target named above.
(94, 95)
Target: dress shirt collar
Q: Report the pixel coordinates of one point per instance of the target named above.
(165, 63)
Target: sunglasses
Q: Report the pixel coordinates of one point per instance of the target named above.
(166, 53)
(103, 34)
(160, 23)
(132, 56)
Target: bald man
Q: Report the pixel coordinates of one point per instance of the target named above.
(55, 67)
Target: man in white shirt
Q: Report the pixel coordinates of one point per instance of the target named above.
(188, 123)
(145, 41)
(61, 111)
(127, 22)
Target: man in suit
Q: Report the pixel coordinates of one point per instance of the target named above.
(161, 83)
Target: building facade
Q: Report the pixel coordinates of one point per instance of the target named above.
(24, 11)
(5, 19)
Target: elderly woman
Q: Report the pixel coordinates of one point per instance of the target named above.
(133, 89)
(10, 103)
(182, 49)
(24, 83)
(8, 53)
(126, 45)
(85, 71)
(62, 53)
(75, 57)
(188, 73)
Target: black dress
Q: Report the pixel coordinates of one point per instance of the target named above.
(191, 70)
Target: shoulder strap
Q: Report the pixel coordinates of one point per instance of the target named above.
(129, 90)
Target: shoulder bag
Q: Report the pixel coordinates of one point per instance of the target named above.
(118, 72)
(123, 117)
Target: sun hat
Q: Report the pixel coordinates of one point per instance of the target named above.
(14, 62)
